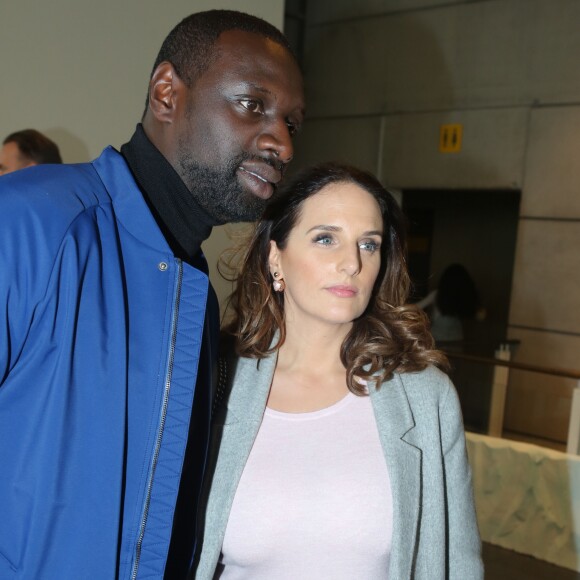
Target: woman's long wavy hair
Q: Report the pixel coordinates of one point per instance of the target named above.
(389, 336)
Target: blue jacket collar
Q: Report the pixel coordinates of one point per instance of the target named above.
(130, 207)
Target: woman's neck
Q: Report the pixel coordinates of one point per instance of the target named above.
(312, 348)
(309, 373)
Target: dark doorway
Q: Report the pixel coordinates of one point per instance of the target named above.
(478, 230)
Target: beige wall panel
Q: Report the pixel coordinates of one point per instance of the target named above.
(552, 172)
(491, 155)
(353, 141)
(329, 10)
(546, 280)
(468, 54)
(553, 49)
(425, 59)
(537, 404)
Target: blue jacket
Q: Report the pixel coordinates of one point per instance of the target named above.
(100, 337)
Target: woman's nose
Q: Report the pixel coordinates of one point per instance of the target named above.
(350, 261)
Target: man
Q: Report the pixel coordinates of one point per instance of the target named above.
(108, 322)
(25, 149)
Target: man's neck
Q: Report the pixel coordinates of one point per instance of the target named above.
(180, 218)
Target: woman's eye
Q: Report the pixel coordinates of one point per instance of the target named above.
(323, 240)
(369, 246)
(252, 105)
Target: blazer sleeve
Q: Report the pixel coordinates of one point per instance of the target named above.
(464, 545)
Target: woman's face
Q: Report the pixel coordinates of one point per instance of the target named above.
(332, 257)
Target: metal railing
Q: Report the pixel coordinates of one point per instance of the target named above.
(502, 365)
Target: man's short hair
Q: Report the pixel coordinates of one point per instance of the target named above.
(189, 47)
(35, 146)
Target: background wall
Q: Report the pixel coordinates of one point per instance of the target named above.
(78, 71)
(383, 75)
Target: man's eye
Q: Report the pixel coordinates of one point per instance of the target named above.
(292, 128)
(252, 105)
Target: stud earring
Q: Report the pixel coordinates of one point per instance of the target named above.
(278, 285)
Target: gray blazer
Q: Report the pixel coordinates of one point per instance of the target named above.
(435, 533)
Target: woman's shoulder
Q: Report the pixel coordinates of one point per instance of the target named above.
(429, 382)
(430, 373)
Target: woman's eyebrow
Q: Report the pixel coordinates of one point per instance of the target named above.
(329, 228)
(325, 228)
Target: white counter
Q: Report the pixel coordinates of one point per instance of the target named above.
(527, 498)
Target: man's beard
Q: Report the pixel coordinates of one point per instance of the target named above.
(218, 191)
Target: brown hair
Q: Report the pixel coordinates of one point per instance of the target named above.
(389, 336)
(35, 146)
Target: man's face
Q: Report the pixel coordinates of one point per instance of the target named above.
(11, 159)
(233, 132)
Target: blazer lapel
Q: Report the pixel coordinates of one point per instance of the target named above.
(251, 387)
(233, 434)
(395, 423)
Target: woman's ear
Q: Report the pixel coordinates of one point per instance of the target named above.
(274, 260)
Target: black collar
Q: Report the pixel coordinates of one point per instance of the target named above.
(182, 221)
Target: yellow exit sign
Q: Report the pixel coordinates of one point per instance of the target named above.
(450, 138)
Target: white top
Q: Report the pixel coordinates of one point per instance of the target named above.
(314, 500)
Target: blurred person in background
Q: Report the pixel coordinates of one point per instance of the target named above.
(454, 301)
(25, 149)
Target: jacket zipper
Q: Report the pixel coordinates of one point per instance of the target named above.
(163, 417)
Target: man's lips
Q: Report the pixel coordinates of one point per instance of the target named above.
(255, 184)
(263, 171)
(343, 291)
(259, 178)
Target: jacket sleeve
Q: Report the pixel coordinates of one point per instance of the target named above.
(464, 544)
(26, 256)
(4, 319)
(16, 279)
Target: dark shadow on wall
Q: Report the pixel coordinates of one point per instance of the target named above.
(72, 148)
(360, 73)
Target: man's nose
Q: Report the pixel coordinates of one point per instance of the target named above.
(276, 140)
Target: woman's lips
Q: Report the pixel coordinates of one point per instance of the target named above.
(343, 291)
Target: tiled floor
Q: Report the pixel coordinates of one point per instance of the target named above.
(503, 564)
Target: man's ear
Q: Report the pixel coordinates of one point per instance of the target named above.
(165, 89)
(274, 259)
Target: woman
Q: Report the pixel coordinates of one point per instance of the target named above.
(454, 301)
(340, 447)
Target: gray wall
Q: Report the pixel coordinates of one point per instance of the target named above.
(78, 71)
(383, 75)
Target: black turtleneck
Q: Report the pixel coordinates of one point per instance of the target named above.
(182, 221)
